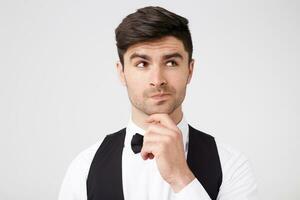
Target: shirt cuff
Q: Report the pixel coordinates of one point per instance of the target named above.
(193, 191)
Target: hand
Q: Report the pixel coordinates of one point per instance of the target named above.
(163, 141)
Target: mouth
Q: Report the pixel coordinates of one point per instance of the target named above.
(160, 96)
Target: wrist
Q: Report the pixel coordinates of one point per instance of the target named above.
(182, 180)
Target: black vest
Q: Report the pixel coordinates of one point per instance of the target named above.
(104, 180)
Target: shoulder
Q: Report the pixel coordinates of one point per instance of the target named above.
(79, 166)
(225, 151)
(236, 167)
(81, 163)
(238, 176)
(229, 155)
(85, 157)
(73, 185)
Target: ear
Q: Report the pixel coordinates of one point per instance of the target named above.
(191, 70)
(121, 74)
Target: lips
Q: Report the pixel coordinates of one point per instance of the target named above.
(159, 95)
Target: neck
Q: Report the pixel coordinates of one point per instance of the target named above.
(139, 118)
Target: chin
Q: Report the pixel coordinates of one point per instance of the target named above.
(166, 110)
(160, 108)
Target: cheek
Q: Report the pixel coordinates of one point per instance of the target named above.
(178, 85)
(135, 88)
(178, 82)
(133, 78)
(136, 84)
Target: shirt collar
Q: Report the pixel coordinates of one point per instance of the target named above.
(133, 128)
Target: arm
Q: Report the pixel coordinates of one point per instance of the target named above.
(74, 183)
(238, 179)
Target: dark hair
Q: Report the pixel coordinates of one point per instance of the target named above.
(152, 23)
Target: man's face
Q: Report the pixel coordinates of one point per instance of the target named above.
(156, 74)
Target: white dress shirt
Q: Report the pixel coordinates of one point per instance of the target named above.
(142, 180)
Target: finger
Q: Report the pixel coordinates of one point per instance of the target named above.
(155, 144)
(163, 119)
(153, 137)
(150, 156)
(157, 130)
(147, 156)
(149, 150)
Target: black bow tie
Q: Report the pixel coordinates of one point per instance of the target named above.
(137, 143)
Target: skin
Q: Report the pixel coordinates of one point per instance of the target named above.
(155, 68)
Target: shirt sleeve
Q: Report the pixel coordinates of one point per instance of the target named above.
(238, 180)
(73, 186)
(193, 191)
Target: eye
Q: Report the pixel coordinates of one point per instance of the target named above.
(171, 63)
(141, 64)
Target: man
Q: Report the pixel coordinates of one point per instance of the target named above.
(158, 156)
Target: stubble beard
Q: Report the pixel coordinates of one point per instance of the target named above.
(167, 106)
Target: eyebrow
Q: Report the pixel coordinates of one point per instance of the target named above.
(173, 55)
(137, 55)
(165, 57)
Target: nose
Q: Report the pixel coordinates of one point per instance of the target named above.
(157, 78)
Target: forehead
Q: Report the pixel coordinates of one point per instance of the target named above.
(158, 47)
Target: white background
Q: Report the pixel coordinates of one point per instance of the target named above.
(59, 90)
